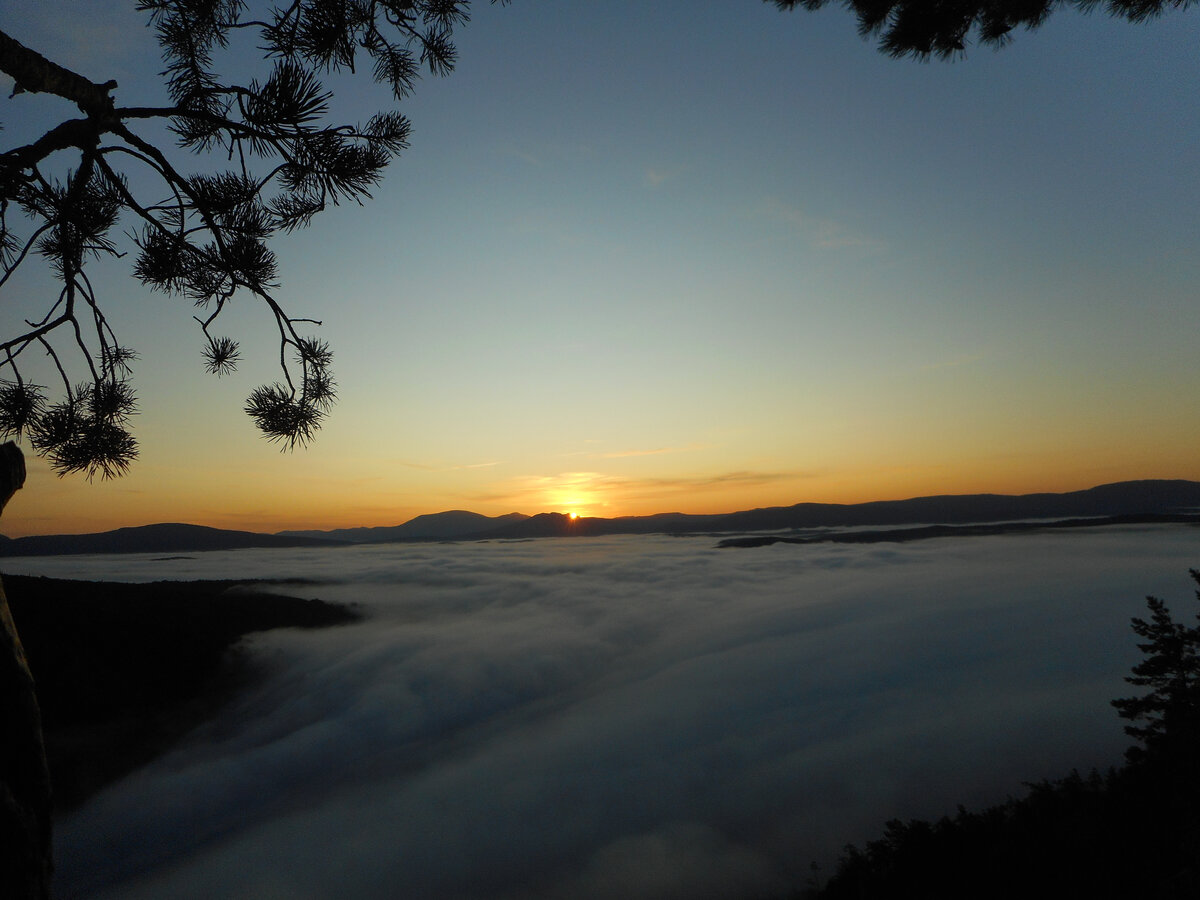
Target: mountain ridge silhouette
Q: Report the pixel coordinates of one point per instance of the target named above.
(1146, 497)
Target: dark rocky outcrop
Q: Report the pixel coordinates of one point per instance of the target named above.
(120, 672)
(124, 670)
(25, 862)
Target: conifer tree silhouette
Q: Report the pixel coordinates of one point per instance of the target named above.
(1167, 717)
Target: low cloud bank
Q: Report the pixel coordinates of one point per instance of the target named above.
(626, 717)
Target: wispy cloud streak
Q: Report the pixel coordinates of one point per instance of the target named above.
(820, 232)
(441, 467)
(606, 487)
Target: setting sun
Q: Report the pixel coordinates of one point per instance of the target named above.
(574, 493)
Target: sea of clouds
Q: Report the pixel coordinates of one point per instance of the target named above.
(633, 717)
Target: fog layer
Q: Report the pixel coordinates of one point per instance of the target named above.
(623, 717)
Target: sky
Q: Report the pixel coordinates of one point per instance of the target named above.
(638, 717)
(693, 256)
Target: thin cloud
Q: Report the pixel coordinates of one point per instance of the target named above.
(820, 232)
(608, 489)
(522, 155)
(657, 451)
(256, 515)
(654, 177)
(546, 154)
(664, 485)
(441, 467)
(954, 362)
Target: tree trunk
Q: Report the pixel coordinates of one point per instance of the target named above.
(25, 863)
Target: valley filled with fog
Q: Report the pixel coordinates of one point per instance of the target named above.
(642, 717)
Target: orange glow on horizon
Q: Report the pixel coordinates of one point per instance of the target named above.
(264, 498)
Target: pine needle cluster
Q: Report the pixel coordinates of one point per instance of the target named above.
(922, 29)
(64, 196)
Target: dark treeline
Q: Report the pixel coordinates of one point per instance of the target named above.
(1133, 832)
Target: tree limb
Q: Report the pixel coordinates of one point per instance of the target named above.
(35, 74)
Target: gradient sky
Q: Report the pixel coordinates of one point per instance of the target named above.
(696, 256)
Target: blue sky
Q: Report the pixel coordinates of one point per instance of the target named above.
(703, 256)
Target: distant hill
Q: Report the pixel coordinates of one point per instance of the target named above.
(456, 523)
(1122, 498)
(166, 538)
(1126, 498)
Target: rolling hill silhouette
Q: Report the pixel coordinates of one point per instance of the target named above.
(1119, 499)
(1123, 499)
(454, 523)
(163, 538)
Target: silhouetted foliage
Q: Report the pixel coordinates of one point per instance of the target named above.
(1169, 712)
(63, 195)
(1119, 835)
(922, 29)
(1132, 833)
